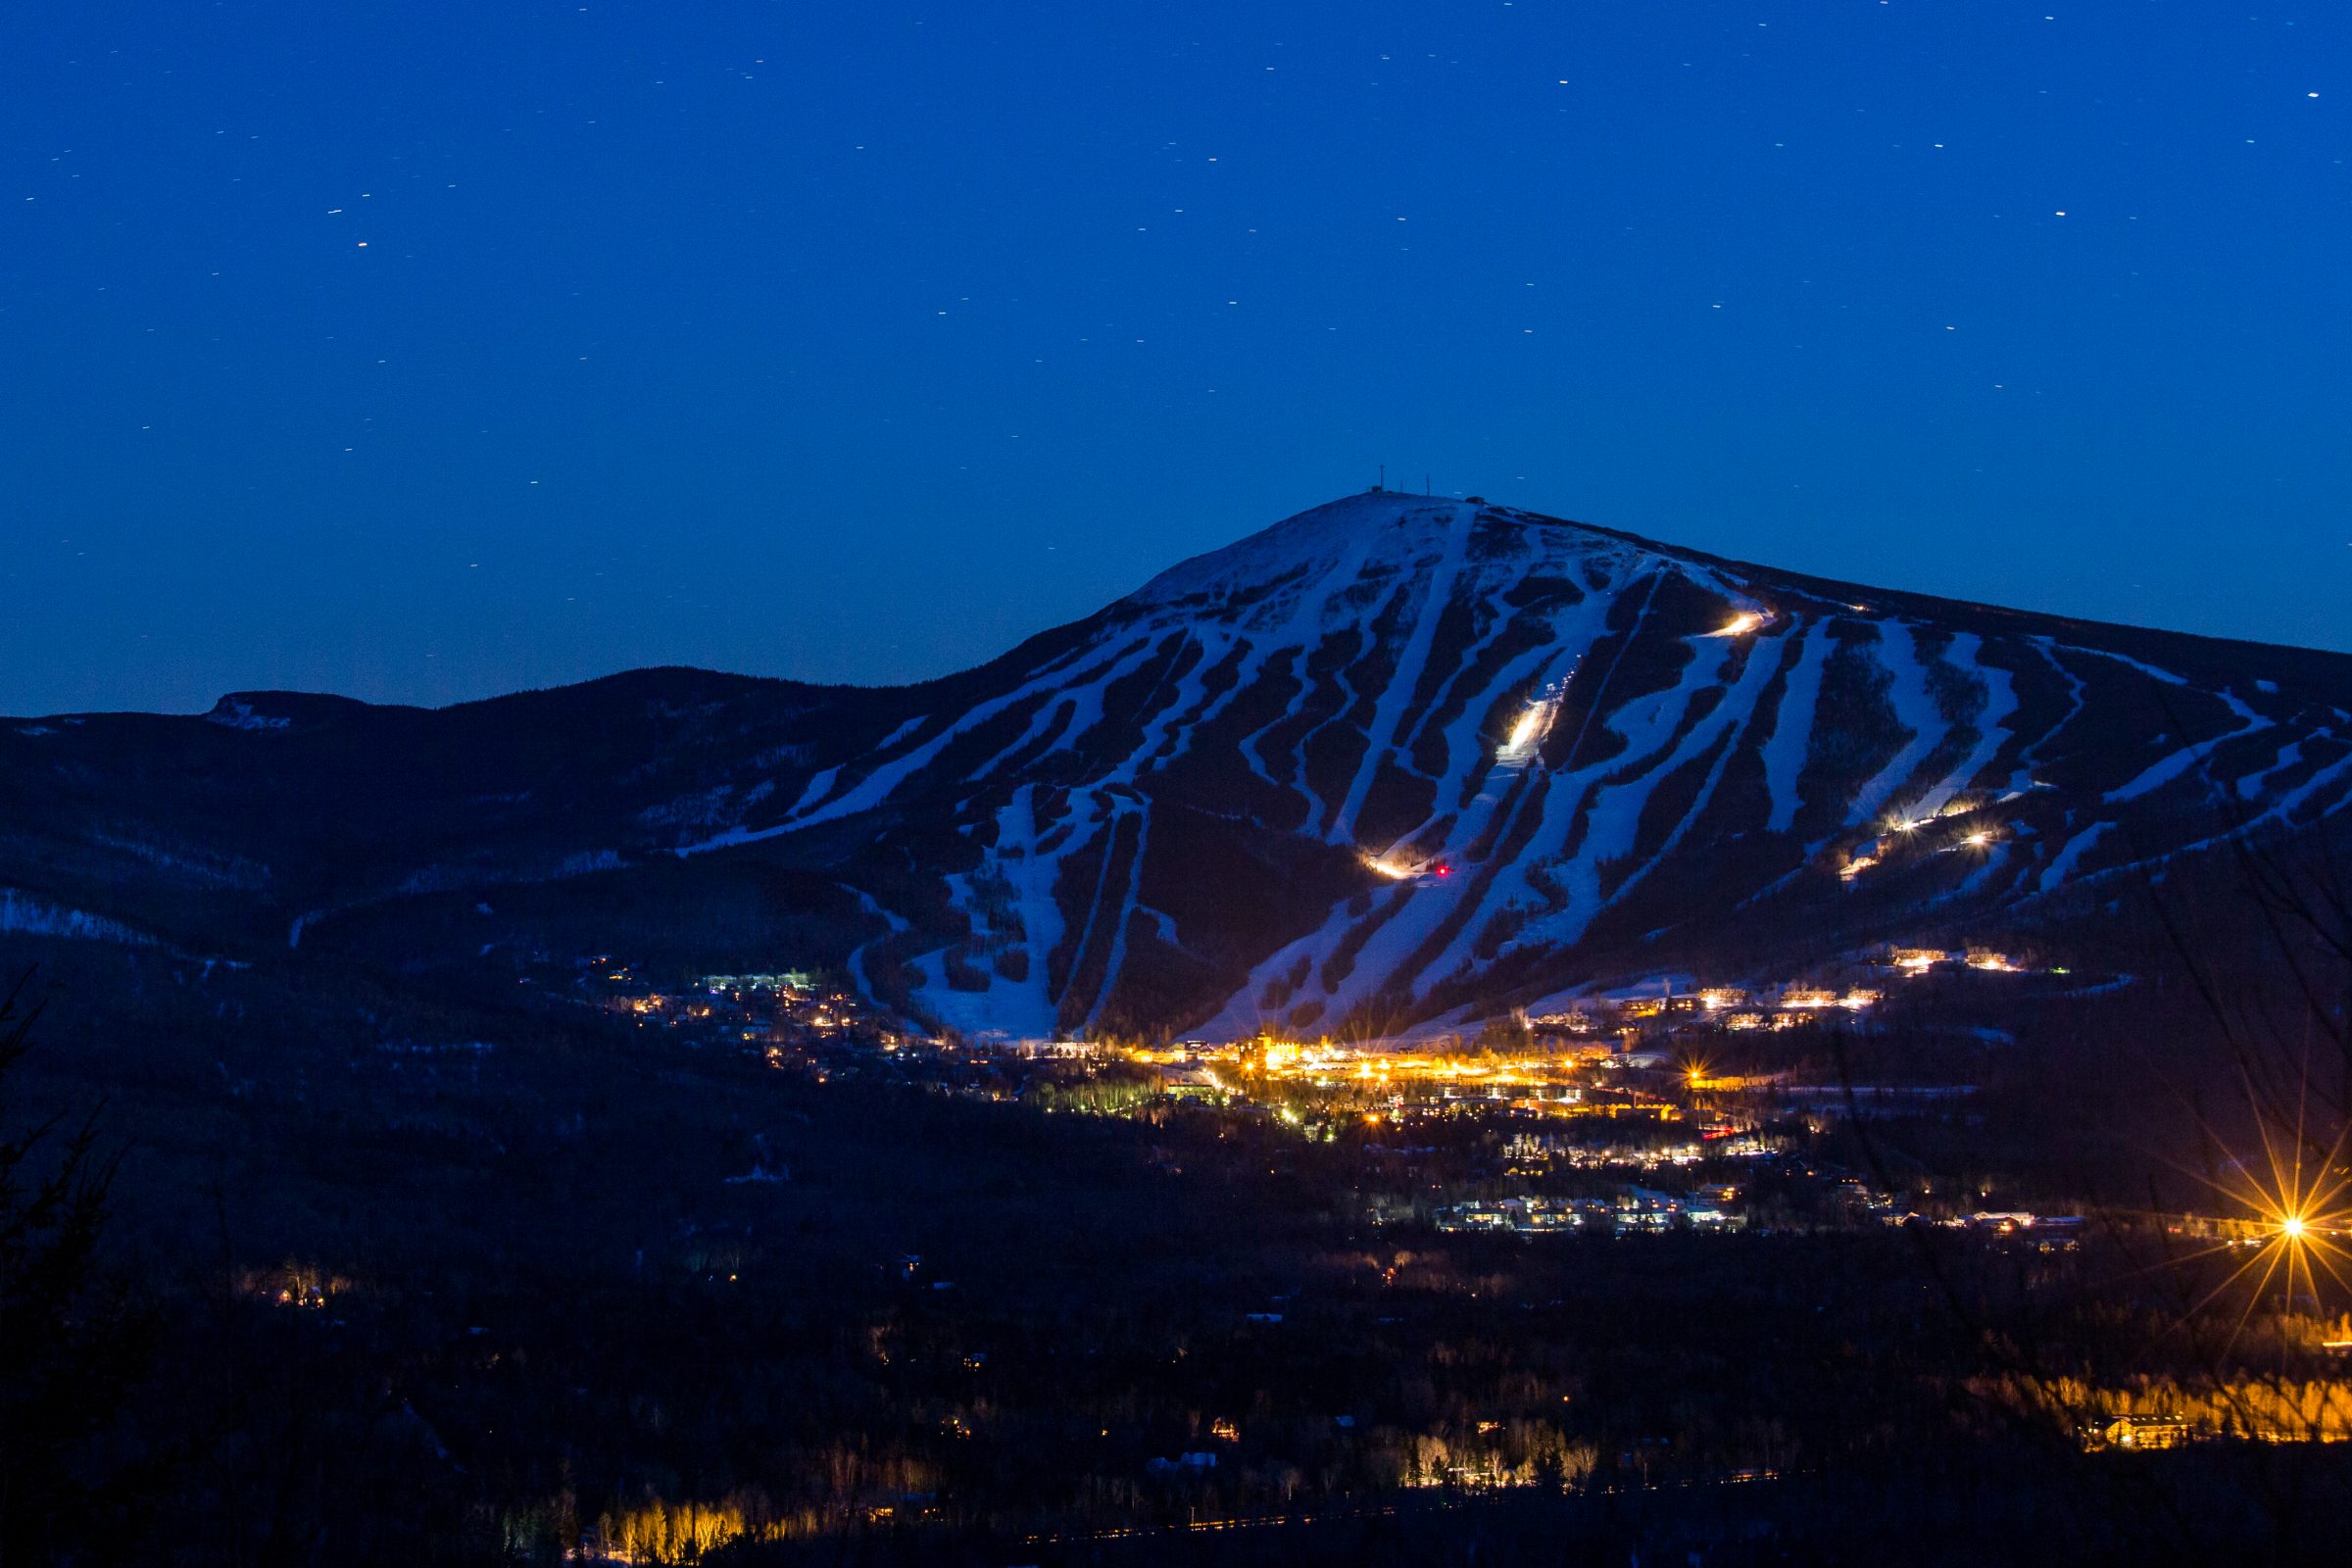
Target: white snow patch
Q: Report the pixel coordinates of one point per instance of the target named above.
(2251, 787)
(25, 915)
(234, 713)
(819, 784)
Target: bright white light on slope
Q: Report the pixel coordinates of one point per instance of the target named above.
(1527, 730)
(1391, 870)
(1740, 626)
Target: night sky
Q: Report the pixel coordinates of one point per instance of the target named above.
(427, 351)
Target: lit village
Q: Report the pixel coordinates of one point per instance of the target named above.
(1707, 1109)
(1672, 1110)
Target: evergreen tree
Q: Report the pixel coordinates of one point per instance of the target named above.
(71, 1342)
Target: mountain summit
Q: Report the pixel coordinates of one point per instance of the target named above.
(1394, 762)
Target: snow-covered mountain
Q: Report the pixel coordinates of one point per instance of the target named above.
(1525, 738)
(1393, 761)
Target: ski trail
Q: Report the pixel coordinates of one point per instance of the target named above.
(1398, 693)
(2163, 675)
(2001, 702)
(2163, 771)
(1649, 725)
(878, 785)
(1793, 728)
(1118, 936)
(1109, 827)
(1914, 708)
(2034, 756)
(1173, 726)
(2249, 788)
(2063, 864)
(857, 963)
(1736, 711)
(1422, 907)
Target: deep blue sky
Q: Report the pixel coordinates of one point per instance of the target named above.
(431, 350)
